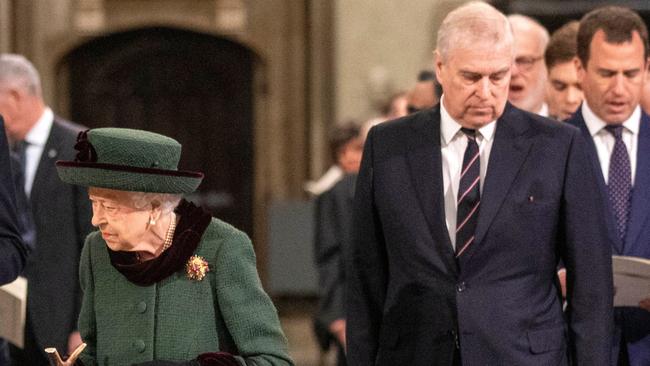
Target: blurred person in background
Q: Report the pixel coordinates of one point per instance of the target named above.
(395, 106)
(528, 82)
(423, 94)
(332, 235)
(345, 147)
(39, 138)
(563, 92)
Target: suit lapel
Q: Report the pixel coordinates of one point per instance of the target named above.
(509, 150)
(425, 165)
(641, 192)
(578, 121)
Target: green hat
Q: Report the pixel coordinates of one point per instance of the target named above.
(128, 160)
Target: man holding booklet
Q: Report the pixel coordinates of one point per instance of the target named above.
(612, 67)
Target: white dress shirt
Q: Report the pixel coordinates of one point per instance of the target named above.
(453, 143)
(543, 111)
(605, 141)
(36, 139)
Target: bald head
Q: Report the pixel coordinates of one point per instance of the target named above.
(528, 84)
(471, 25)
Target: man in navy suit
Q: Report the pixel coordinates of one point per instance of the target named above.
(13, 253)
(612, 68)
(462, 214)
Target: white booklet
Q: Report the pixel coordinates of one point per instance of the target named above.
(13, 306)
(631, 280)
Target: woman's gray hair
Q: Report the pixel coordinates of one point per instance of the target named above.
(17, 71)
(472, 23)
(166, 201)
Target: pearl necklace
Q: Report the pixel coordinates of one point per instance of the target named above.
(169, 237)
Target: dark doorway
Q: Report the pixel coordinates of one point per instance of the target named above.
(190, 86)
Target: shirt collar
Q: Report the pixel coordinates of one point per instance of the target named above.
(543, 111)
(595, 124)
(449, 127)
(39, 133)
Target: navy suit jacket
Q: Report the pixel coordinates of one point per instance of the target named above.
(13, 253)
(633, 322)
(409, 302)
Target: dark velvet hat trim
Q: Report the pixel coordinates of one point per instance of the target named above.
(125, 168)
(190, 228)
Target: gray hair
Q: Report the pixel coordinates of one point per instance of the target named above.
(166, 201)
(18, 72)
(471, 23)
(523, 21)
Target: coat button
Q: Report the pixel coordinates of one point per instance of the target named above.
(460, 287)
(139, 345)
(141, 307)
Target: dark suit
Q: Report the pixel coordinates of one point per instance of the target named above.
(631, 323)
(333, 234)
(13, 253)
(410, 302)
(62, 216)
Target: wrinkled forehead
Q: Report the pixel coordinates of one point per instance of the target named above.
(482, 59)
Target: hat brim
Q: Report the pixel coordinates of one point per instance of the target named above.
(128, 178)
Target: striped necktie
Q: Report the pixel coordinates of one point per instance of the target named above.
(469, 194)
(20, 151)
(619, 182)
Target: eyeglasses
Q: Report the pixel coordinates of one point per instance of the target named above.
(526, 63)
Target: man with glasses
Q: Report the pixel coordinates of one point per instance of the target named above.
(528, 83)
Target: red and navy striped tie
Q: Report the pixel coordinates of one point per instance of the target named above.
(469, 194)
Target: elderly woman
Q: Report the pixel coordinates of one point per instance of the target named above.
(164, 283)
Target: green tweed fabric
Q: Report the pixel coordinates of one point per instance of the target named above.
(136, 148)
(130, 160)
(177, 319)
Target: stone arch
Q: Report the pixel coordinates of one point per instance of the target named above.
(196, 87)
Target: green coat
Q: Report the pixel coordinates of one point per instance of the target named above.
(177, 318)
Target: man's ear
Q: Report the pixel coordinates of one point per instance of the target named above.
(580, 69)
(437, 64)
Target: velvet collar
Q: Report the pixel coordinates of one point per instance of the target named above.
(190, 228)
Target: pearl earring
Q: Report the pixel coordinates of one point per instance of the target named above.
(152, 221)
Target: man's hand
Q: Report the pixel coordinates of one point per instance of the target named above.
(645, 304)
(74, 340)
(337, 328)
